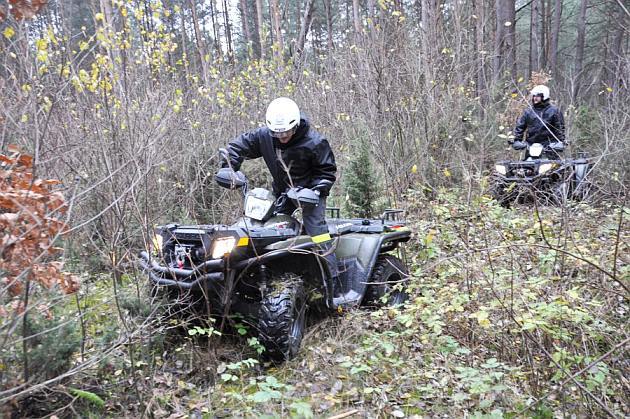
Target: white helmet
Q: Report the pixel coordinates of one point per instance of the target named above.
(541, 90)
(282, 115)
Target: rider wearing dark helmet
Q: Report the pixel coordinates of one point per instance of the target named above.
(543, 121)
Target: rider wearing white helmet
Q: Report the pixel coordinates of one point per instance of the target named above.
(296, 155)
(543, 121)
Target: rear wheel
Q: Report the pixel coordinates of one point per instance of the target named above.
(387, 283)
(282, 318)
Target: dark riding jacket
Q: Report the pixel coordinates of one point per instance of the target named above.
(304, 161)
(544, 123)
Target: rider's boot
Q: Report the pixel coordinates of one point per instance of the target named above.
(343, 289)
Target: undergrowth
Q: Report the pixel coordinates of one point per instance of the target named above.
(513, 313)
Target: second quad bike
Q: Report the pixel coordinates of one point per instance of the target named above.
(542, 174)
(265, 270)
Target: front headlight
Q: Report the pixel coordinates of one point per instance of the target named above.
(222, 246)
(536, 149)
(501, 169)
(545, 167)
(156, 244)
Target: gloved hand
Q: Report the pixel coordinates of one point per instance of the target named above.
(303, 196)
(324, 185)
(519, 145)
(230, 179)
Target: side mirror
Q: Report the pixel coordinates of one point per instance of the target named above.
(303, 196)
(228, 178)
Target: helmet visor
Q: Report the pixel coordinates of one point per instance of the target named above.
(282, 134)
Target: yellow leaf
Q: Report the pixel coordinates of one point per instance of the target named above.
(8, 32)
(414, 168)
(447, 173)
(42, 44)
(99, 16)
(24, 118)
(609, 89)
(485, 323)
(83, 46)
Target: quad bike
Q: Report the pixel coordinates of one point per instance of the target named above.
(542, 174)
(264, 269)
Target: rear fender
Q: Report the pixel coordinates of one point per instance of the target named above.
(364, 250)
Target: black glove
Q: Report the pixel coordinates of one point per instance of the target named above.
(519, 145)
(230, 179)
(323, 186)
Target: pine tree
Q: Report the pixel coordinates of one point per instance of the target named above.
(361, 183)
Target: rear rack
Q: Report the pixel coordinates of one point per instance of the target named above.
(390, 220)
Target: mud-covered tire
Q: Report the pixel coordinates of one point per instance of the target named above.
(388, 272)
(282, 318)
(498, 192)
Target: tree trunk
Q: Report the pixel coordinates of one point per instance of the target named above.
(534, 38)
(511, 37)
(329, 24)
(355, 17)
(370, 10)
(247, 34)
(228, 29)
(215, 29)
(619, 59)
(429, 44)
(544, 33)
(201, 45)
(499, 35)
(505, 39)
(579, 47)
(555, 38)
(277, 28)
(261, 28)
(304, 27)
(480, 46)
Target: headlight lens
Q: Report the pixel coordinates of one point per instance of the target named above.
(545, 167)
(536, 149)
(156, 244)
(222, 246)
(501, 169)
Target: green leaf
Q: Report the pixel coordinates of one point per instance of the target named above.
(263, 396)
(89, 396)
(301, 410)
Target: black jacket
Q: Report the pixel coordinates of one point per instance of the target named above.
(307, 156)
(544, 124)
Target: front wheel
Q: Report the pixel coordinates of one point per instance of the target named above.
(387, 283)
(282, 318)
(501, 192)
(560, 193)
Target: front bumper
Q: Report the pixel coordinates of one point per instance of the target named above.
(209, 271)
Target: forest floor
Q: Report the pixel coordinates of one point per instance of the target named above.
(512, 313)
